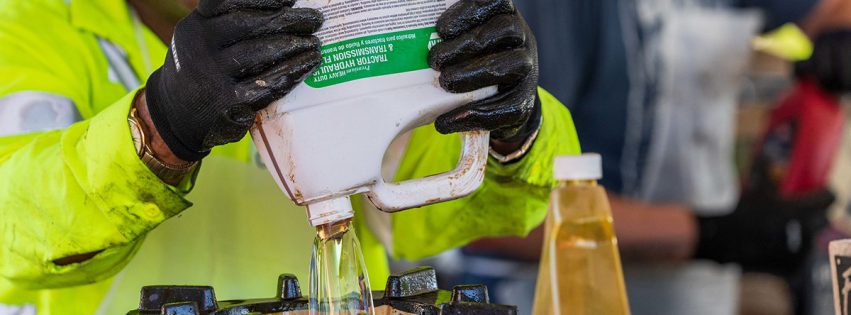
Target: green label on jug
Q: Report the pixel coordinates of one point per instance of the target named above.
(373, 56)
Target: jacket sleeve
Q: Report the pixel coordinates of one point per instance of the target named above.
(72, 191)
(512, 200)
(75, 191)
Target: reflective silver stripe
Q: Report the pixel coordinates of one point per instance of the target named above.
(119, 69)
(33, 111)
(17, 309)
(174, 54)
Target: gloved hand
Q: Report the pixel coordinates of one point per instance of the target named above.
(227, 60)
(830, 63)
(766, 232)
(487, 43)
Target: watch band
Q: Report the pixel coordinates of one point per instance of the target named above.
(516, 155)
(166, 172)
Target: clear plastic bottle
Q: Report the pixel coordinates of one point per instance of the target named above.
(580, 270)
(339, 284)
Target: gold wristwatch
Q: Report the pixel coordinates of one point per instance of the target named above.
(168, 173)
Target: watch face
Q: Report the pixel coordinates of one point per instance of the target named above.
(138, 137)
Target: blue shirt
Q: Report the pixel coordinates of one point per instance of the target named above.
(584, 64)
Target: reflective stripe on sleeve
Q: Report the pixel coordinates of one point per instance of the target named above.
(33, 111)
(120, 69)
(17, 310)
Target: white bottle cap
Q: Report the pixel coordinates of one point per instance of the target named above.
(588, 166)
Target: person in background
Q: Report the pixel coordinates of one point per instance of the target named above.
(91, 210)
(653, 87)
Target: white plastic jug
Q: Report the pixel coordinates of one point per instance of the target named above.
(325, 141)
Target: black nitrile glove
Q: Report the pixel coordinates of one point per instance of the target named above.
(227, 60)
(766, 232)
(830, 63)
(487, 43)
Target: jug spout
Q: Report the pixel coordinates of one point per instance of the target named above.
(330, 211)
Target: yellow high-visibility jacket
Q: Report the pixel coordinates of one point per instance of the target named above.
(73, 66)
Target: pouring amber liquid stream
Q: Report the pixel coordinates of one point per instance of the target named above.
(339, 283)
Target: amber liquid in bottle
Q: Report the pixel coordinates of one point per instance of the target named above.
(339, 283)
(580, 269)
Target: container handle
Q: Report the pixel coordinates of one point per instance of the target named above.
(460, 182)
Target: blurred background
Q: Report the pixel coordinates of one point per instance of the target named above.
(727, 155)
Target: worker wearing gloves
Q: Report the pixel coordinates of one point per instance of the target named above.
(96, 166)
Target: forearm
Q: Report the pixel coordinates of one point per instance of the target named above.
(155, 141)
(652, 232)
(826, 16)
(159, 147)
(516, 248)
(78, 194)
(645, 233)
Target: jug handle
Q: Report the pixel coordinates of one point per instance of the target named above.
(460, 182)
